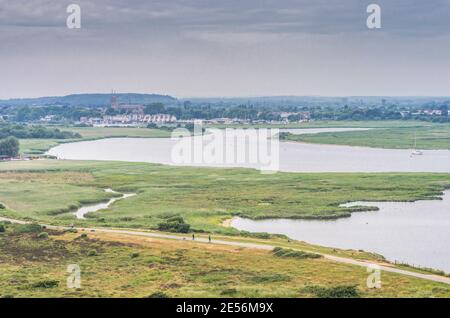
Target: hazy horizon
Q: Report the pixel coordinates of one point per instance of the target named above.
(208, 49)
(233, 97)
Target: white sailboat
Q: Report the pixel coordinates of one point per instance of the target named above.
(415, 151)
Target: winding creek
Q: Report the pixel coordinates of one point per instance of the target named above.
(416, 233)
(81, 212)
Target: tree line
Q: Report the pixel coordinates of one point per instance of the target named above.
(201, 110)
(9, 147)
(34, 132)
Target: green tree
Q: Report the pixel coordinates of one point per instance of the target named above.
(444, 110)
(9, 147)
(155, 108)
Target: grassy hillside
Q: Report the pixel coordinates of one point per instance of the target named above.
(125, 266)
(204, 197)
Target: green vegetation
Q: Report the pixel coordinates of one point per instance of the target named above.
(9, 147)
(90, 133)
(174, 224)
(45, 284)
(288, 253)
(39, 146)
(27, 228)
(158, 295)
(333, 292)
(435, 136)
(43, 235)
(332, 124)
(92, 253)
(32, 267)
(202, 197)
(35, 132)
(36, 146)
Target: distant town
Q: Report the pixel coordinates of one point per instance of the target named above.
(102, 110)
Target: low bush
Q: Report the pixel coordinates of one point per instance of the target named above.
(344, 291)
(27, 228)
(43, 235)
(159, 295)
(92, 253)
(46, 284)
(288, 253)
(229, 292)
(2, 228)
(2, 206)
(270, 278)
(260, 235)
(174, 224)
(134, 255)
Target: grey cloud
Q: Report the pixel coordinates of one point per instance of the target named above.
(210, 47)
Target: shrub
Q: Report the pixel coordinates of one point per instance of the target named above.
(159, 295)
(92, 253)
(288, 253)
(43, 235)
(83, 235)
(270, 278)
(28, 228)
(260, 235)
(229, 292)
(134, 255)
(344, 291)
(2, 206)
(2, 228)
(174, 224)
(46, 284)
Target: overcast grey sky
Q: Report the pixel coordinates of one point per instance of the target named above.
(225, 48)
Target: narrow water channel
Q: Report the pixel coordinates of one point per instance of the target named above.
(81, 212)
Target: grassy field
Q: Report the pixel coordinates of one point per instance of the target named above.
(435, 136)
(204, 197)
(125, 266)
(39, 146)
(333, 124)
(36, 146)
(107, 132)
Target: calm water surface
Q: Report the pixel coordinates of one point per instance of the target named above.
(294, 157)
(413, 232)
